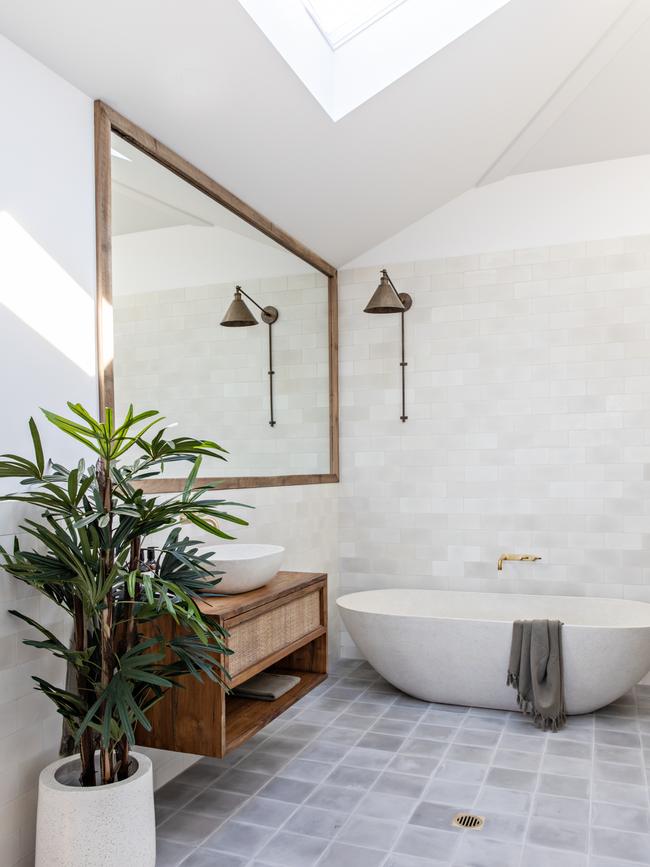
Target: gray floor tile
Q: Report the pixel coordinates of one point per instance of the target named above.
(173, 796)
(382, 805)
(535, 856)
(618, 773)
(465, 753)
(397, 727)
(461, 772)
(557, 835)
(566, 765)
(406, 785)
(430, 815)
(476, 737)
(217, 804)
(447, 791)
(301, 769)
(624, 755)
(345, 855)
(263, 762)
(335, 798)
(503, 800)
(281, 746)
(476, 851)
(283, 789)
(572, 787)
(319, 751)
(337, 735)
(517, 760)
(423, 747)
(620, 844)
(619, 793)
(506, 827)
(293, 850)
(210, 858)
(564, 809)
(170, 854)
(621, 818)
(370, 833)
(314, 822)
(378, 741)
(420, 766)
(353, 778)
(264, 811)
(423, 842)
(242, 782)
(573, 749)
(362, 757)
(200, 775)
(238, 838)
(357, 768)
(187, 828)
(507, 778)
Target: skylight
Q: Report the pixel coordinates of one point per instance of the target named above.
(340, 20)
(346, 51)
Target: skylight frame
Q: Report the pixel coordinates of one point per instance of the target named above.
(349, 33)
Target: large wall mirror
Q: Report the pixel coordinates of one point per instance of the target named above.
(212, 315)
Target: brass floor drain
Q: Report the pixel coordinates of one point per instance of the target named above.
(467, 820)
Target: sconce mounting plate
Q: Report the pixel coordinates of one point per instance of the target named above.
(269, 315)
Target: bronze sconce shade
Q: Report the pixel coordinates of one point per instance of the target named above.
(386, 299)
(239, 315)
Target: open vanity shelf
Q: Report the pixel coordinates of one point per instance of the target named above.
(280, 627)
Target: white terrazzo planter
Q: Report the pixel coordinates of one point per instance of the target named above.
(103, 826)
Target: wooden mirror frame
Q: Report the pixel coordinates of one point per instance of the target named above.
(107, 120)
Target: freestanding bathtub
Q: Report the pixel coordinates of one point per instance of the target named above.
(453, 647)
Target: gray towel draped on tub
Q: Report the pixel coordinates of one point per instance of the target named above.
(535, 671)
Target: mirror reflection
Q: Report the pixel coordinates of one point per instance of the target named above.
(216, 325)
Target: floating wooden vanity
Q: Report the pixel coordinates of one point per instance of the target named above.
(281, 627)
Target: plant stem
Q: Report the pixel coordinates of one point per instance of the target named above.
(106, 639)
(87, 743)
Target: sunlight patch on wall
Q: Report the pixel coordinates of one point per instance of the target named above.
(36, 289)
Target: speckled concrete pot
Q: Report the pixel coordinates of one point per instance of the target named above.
(103, 826)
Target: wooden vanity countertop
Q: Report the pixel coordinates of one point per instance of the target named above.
(283, 584)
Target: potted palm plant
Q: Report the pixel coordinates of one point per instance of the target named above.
(86, 531)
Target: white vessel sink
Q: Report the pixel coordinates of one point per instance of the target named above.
(245, 567)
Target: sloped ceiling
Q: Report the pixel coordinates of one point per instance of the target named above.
(200, 76)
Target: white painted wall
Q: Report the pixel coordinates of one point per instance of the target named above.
(47, 263)
(600, 200)
(47, 283)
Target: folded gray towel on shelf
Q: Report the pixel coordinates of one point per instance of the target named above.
(267, 686)
(536, 672)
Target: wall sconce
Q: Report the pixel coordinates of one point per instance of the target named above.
(238, 315)
(387, 299)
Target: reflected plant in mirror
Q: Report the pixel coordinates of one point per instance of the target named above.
(178, 256)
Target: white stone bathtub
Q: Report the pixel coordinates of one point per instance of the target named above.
(454, 647)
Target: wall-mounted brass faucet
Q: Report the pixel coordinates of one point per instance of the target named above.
(526, 557)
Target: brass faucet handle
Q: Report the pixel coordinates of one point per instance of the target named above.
(529, 558)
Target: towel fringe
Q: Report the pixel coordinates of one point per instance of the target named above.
(545, 723)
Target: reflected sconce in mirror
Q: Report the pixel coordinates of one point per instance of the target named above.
(387, 299)
(239, 315)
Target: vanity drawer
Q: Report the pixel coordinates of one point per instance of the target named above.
(272, 632)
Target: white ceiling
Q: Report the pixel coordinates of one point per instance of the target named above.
(538, 84)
